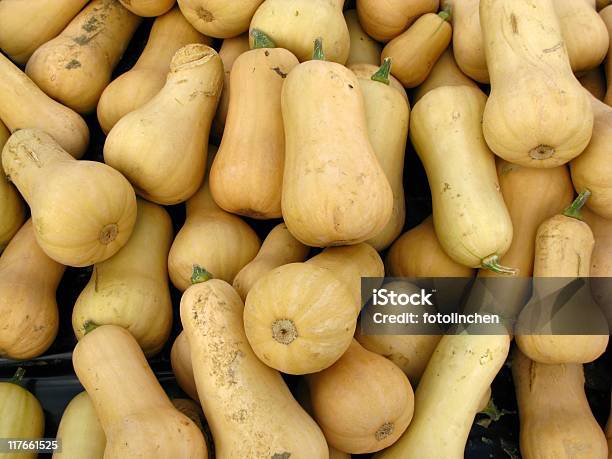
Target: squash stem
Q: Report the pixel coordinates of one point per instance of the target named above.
(492, 264)
(90, 326)
(261, 40)
(382, 74)
(18, 376)
(318, 54)
(445, 14)
(573, 211)
(199, 275)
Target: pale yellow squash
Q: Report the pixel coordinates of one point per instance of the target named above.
(148, 8)
(11, 204)
(606, 15)
(180, 359)
(219, 18)
(363, 49)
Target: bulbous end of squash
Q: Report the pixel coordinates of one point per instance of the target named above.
(190, 56)
(573, 211)
(284, 331)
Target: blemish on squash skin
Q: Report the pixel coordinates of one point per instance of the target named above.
(204, 14)
(553, 49)
(279, 72)
(514, 24)
(284, 455)
(73, 64)
(384, 431)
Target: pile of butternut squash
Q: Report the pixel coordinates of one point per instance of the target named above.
(282, 127)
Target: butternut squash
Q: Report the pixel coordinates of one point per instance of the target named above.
(555, 417)
(21, 415)
(11, 205)
(537, 115)
(80, 431)
(387, 115)
(76, 66)
(445, 72)
(470, 217)
(25, 25)
(363, 49)
(606, 15)
(142, 82)
(418, 253)
(363, 402)
(219, 18)
(415, 51)
(386, 20)
(172, 128)
(28, 310)
(83, 211)
(180, 358)
(564, 245)
(457, 377)
(130, 289)
(250, 409)
(216, 241)
(246, 176)
(594, 81)
(468, 45)
(130, 411)
(148, 8)
(279, 248)
(334, 190)
(300, 318)
(24, 105)
(592, 170)
(296, 24)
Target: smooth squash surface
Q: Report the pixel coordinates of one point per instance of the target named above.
(468, 45)
(180, 358)
(148, 8)
(11, 205)
(363, 49)
(606, 15)
(219, 18)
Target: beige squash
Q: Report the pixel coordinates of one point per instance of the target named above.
(142, 82)
(594, 81)
(24, 105)
(470, 217)
(148, 8)
(192, 410)
(592, 170)
(83, 211)
(76, 66)
(363, 49)
(387, 115)
(180, 358)
(334, 190)
(415, 51)
(162, 147)
(606, 15)
(555, 417)
(296, 24)
(246, 177)
(249, 408)
(80, 431)
(28, 309)
(130, 289)
(219, 18)
(537, 115)
(11, 205)
(279, 248)
(27, 24)
(363, 402)
(300, 318)
(384, 20)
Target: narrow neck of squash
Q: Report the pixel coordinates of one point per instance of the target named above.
(338, 4)
(202, 203)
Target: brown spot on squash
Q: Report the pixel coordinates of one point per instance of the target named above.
(73, 64)
(108, 234)
(384, 431)
(514, 23)
(280, 73)
(204, 14)
(284, 331)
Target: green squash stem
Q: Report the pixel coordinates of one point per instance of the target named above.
(573, 211)
(492, 264)
(90, 326)
(261, 40)
(16, 379)
(445, 14)
(318, 54)
(199, 275)
(382, 74)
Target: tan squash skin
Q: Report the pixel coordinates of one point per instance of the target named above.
(556, 420)
(190, 409)
(363, 402)
(416, 50)
(24, 105)
(445, 72)
(300, 317)
(363, 49)
(594, 81)
(11, 204)
(148, 8)
(28, 280)
(387, 114)
(592, 170)
(295, 24)
(80, 431)
(457, 377)
(386, 20)
(250, 410)
(131, 410)
(523, 39)
(180, 358)
(27, 24)
(470, 217)
(61, 191)
(279, 248)
(21, 416)
(606, 15)
(142, 82)
(246, 176)
(76, 66)
(172, 128)
(219, 18)
(130, 289)
(326, 132)
(219, 242)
